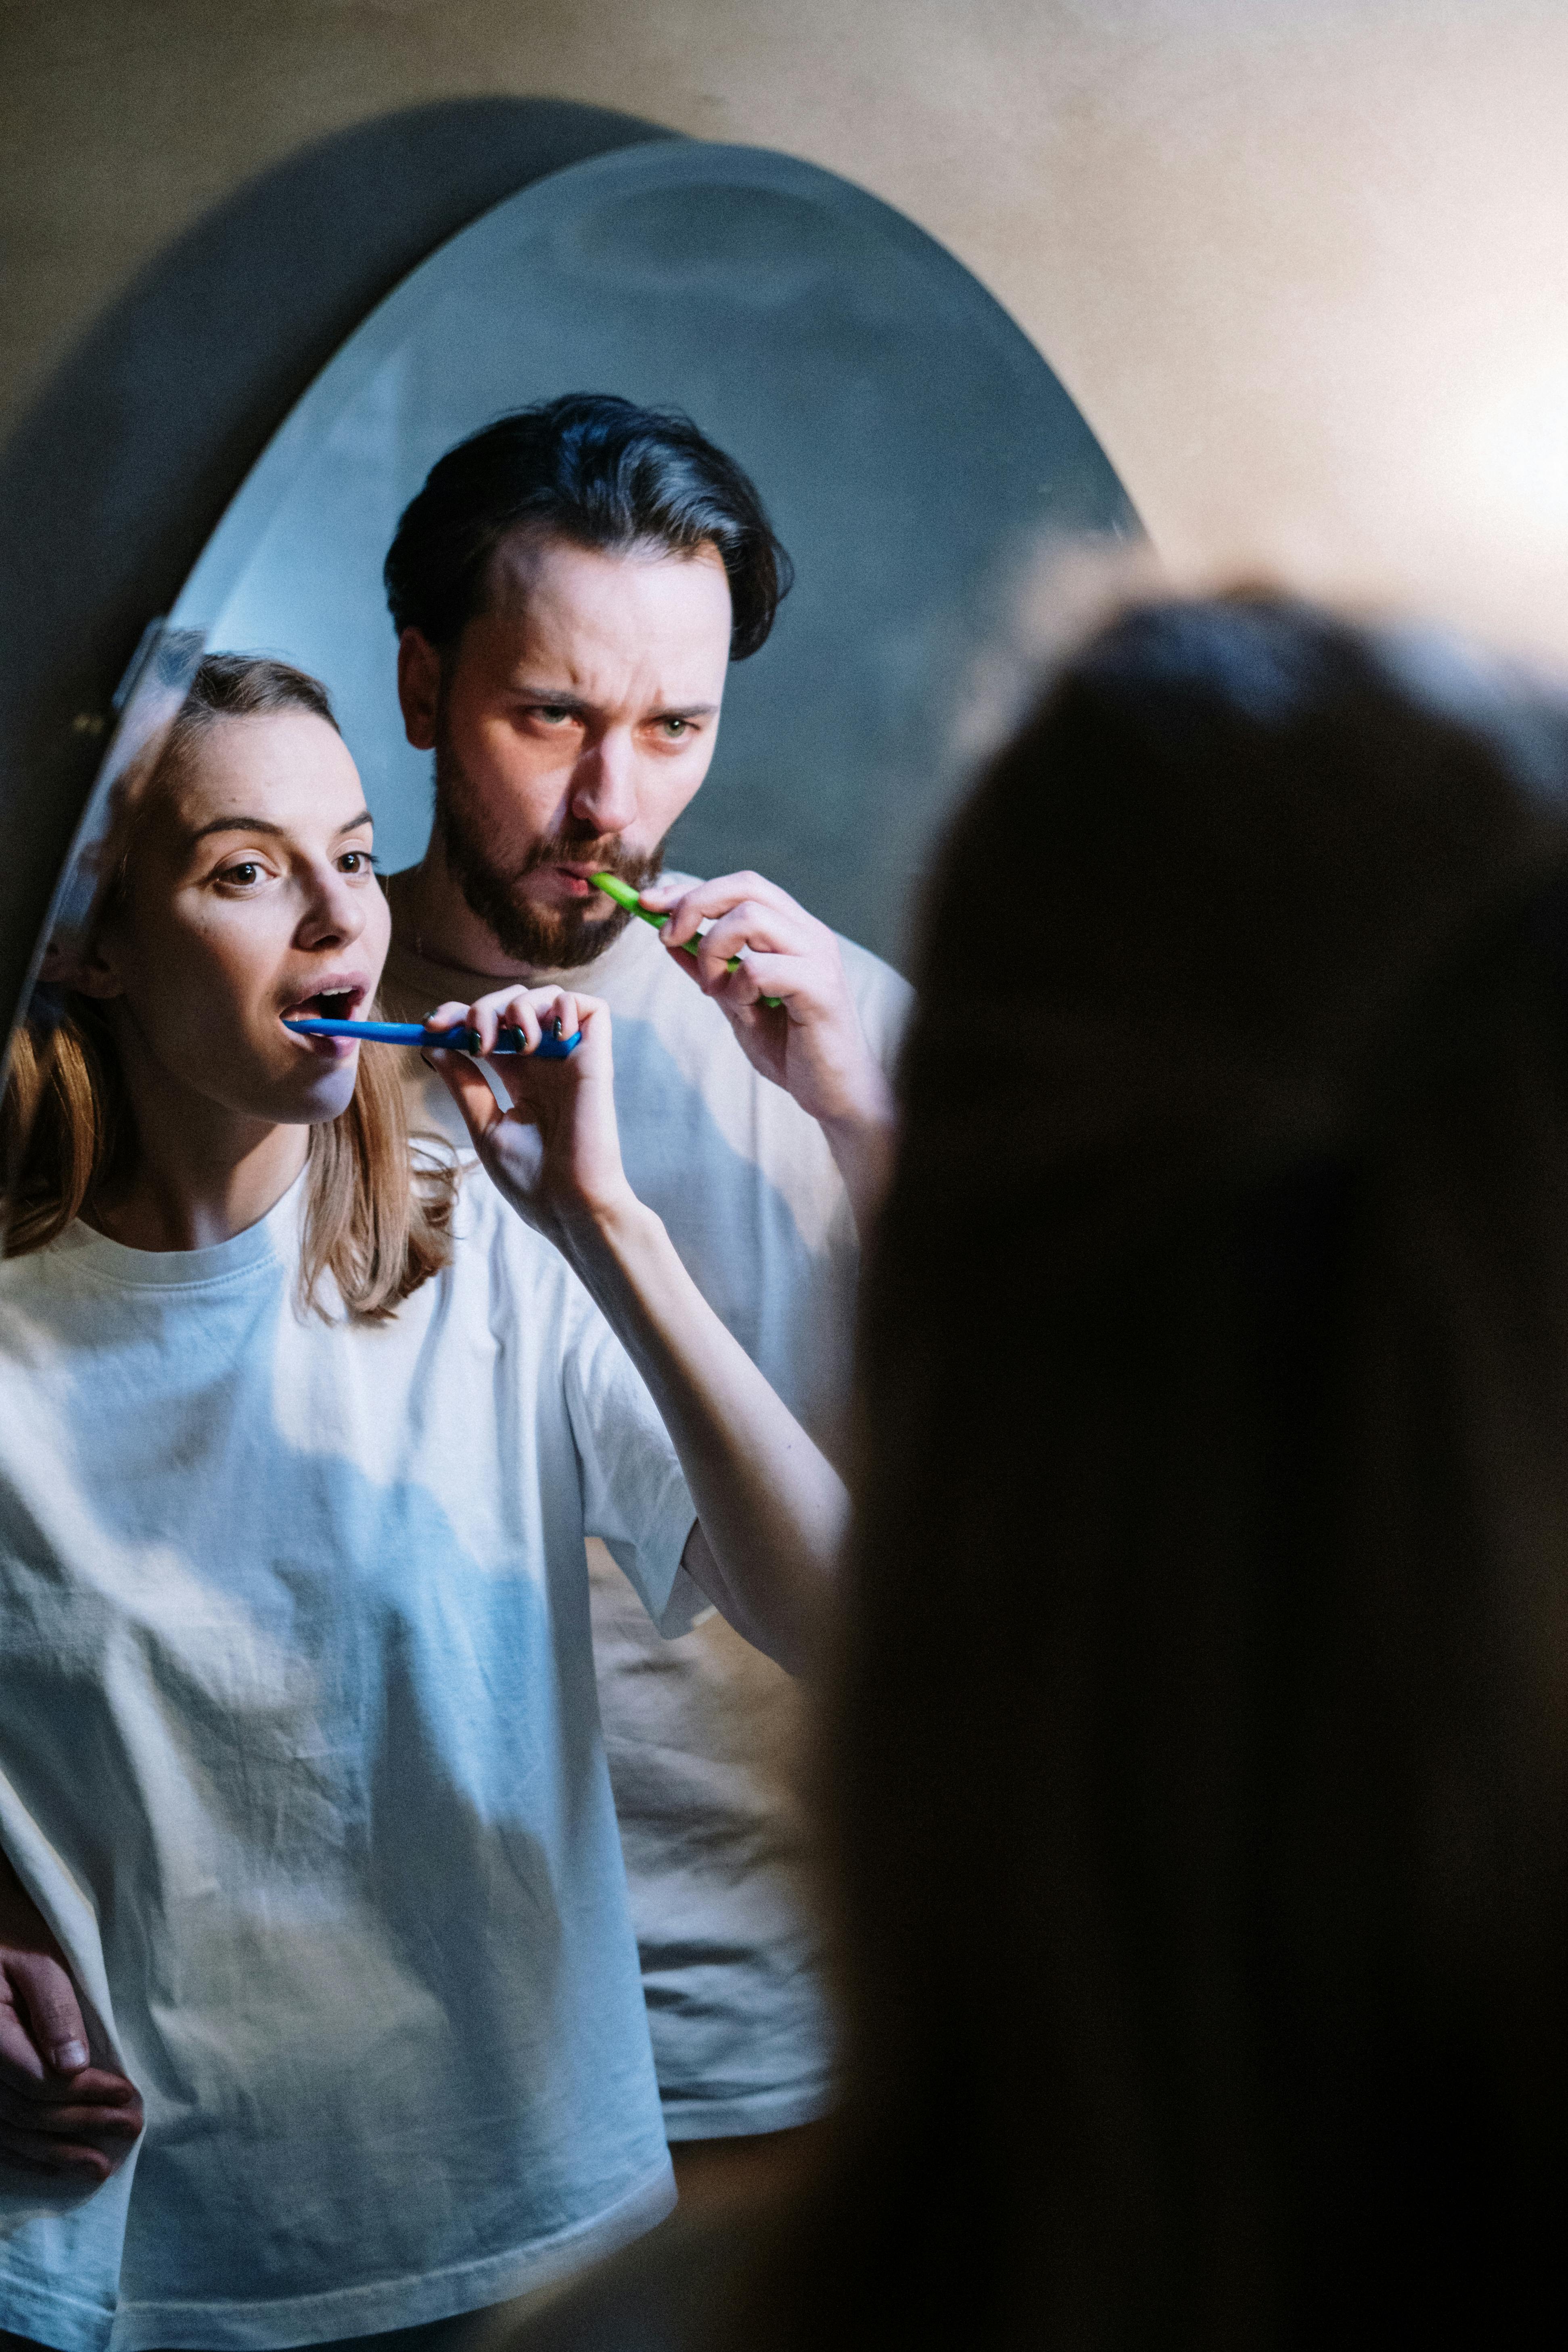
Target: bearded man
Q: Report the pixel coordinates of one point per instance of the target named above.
(569, 589)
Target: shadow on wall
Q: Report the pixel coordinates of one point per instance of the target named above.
(114, 479)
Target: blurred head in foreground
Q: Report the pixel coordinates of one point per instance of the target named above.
(1199, 1754)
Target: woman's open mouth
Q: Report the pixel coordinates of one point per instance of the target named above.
(341, 999)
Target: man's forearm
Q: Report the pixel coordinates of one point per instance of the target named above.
(771, 1506)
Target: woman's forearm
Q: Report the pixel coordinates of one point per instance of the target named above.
(770, 1505)
(863, 1145)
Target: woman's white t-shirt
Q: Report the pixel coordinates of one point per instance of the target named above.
(300, 1753)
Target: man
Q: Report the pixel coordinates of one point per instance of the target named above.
(569, 589)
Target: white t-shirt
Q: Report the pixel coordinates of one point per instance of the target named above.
(702, 1734)
(300, 1753)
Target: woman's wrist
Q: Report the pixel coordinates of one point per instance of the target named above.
(606, 1238)
(862, 1141)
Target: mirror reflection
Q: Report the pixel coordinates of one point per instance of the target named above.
(615, 590)
(911, 448)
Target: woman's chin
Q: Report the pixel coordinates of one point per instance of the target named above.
(319, 1095)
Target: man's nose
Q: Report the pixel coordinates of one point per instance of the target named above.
(604, 784)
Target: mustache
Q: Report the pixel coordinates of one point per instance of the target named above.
(550, 938)
(606, 854)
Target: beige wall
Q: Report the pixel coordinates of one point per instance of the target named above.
(1304, 263)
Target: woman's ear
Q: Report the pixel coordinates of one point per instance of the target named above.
(418, 688)
(90, 971)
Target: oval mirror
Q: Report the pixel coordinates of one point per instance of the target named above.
(909, 441)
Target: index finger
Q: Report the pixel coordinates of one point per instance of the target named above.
(704, 901)
(48, 2008)
(449, 1016)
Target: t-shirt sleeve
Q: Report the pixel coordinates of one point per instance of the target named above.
(884, 999)
(635, 1497)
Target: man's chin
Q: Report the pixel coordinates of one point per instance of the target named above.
(531, 931)
(554, 939)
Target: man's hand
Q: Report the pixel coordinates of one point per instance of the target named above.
(58, 2113)
(813, 1046)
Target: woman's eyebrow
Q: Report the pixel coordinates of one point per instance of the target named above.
(265, 825)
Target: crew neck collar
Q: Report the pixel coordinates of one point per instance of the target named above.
(273, 1240)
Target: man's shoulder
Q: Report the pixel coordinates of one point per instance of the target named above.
(870, 977)
(882, 996)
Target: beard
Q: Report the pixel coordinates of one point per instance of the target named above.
(547, 939)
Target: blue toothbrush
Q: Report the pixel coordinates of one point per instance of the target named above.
(414, 1033)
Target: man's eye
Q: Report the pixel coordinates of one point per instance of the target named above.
(552, 713)
(676, 727)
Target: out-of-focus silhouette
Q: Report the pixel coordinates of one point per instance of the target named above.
(1196, 1769)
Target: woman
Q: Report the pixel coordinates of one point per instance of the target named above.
(1197, 1786)
(300, 1440)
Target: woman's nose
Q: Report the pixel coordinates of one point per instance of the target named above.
(337, 912)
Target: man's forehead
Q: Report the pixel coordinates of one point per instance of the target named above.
(533, 568)
(643, 619)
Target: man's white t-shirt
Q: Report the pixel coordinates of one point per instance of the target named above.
(300, 1753)
(702, 1733)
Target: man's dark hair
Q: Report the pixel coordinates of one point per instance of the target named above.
(595, 469)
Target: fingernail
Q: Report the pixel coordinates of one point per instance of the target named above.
(70, 2057)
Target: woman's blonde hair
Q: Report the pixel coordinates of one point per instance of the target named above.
(378, 1203)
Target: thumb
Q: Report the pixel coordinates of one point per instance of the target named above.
(47, 1997)
(468, 1089)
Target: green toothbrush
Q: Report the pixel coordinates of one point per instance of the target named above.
(625, 896)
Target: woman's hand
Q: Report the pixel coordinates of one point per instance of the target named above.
(770, 1506)
(556, 1154)
(812, 1043)
(58, 2113)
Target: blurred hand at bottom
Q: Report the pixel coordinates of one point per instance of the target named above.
(58, 2113)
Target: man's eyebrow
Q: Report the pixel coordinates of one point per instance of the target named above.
(549, 696)
(548, 699)
(265, 824)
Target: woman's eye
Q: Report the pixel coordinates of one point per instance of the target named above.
(247, 871)
(357, 861)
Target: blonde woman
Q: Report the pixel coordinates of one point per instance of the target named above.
(321, 2012)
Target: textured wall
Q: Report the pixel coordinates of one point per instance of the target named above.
(1301, 261)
